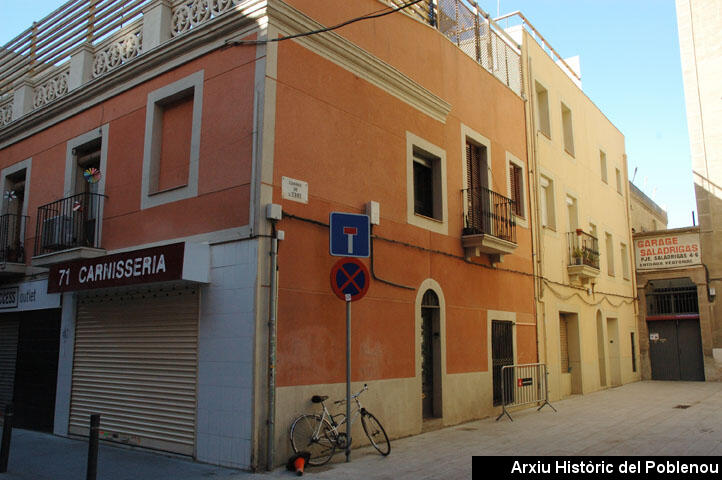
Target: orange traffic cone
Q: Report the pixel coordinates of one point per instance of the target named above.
(298, 465)
(298, 462)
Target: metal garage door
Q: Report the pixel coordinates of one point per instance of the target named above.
(675, 350)
(8, 355)
(135, 363)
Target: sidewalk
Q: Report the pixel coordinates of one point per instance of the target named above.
(636, 419)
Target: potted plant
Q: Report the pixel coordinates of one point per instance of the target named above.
(577, 256)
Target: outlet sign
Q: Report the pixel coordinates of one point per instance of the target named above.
(27, 296)
(655, 252)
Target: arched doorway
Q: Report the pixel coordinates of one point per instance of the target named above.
(430, 355)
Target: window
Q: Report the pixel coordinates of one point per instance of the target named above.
(546, 201)
(515, 185)
(426, 184)
(610, 253)
(603, 165)
(87, 152)
(567, 127)
(625, 261)
(516, 188)
(172, 142)
(572, 213)
(13, 220)
(593, 230)
(619, 181)
(542, 102)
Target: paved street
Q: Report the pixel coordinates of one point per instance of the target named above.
(637, 419)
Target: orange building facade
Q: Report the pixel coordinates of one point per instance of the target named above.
(138, 191)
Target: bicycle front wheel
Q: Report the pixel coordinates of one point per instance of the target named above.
(376, 433)
(310, 434)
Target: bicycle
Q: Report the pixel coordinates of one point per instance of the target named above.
(320, 436)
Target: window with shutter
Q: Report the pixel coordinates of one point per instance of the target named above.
(516, 189)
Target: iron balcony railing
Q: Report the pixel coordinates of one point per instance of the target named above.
(489, 213)
(583, 249)
(674, 301)
(69, 223)
(12, 238)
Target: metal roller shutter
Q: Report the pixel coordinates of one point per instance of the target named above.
(8, 355)
(135, 363)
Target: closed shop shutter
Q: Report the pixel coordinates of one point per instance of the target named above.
(135, 363)
(8, 355)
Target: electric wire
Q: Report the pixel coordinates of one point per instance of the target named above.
(369, 16)
(465, 260)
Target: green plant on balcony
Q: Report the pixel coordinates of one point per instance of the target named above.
(577, 256)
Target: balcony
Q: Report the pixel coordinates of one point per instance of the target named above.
(12, 247)
(583, 256)
(489, 224)
(69, 229)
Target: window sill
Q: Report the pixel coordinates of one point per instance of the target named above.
(432, 219)
(571, 154)
(166, 190)
(548, 136)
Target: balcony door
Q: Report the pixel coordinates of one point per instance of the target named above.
(478, 208)
(85, 204)
(12, 222)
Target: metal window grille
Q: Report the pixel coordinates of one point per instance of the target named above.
(12, 238)
(583, 249)
(673, 300)
(489, 213)
(69, 223)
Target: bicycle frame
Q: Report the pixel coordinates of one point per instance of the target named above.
(326, 414)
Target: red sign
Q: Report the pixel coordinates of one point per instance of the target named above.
(157, 264)
(349, 276)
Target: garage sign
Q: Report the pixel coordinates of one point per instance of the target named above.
(667, 251)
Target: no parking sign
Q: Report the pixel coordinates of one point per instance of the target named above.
(349, 276)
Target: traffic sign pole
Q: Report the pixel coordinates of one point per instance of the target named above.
(348, 377)
(349, 281)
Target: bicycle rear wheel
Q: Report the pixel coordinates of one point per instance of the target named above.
(376, 433)
(309, 434)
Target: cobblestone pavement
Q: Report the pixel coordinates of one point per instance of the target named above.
(642, 418)
(637, 419)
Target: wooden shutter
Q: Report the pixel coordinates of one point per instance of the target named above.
(564, 345)
(8, 355)
(135, 363)
(516, 189)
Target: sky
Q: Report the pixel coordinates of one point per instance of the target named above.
(631, 70)
(630, 66)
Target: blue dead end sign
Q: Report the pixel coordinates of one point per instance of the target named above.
(349, 235)
(349, 276)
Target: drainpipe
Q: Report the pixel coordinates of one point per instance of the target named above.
(273, 213)
(538, 232)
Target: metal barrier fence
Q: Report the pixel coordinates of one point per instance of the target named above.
(524, 385)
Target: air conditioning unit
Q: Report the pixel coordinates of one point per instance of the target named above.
(57, 232)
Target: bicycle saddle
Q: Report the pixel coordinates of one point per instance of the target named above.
(318, 398)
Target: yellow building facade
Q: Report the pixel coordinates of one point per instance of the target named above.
(585, 288)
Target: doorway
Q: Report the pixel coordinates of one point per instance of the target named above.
(615, 367)
(430, 356)
(502, 354)
(602, 351)
(36, 369)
